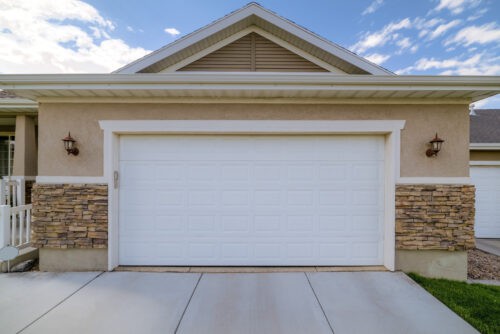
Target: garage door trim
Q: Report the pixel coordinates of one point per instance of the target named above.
(391, 129)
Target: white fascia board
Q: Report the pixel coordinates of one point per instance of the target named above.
(38, 80)
(484, 146)
(257, 10)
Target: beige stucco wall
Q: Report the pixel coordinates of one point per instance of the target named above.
(485, 155)
(73, 259)
(422, 122)
(433, 263)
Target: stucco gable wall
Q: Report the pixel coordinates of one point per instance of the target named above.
(422, 122)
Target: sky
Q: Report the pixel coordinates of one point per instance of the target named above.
(419, 37)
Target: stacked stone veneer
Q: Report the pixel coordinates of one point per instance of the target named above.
(70, 216)
(428, 217)
(28, 191)
(435, 217)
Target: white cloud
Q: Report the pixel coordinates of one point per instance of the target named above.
(377, 58)
(129, 28)
(443, 28)
(456, 6)
(425, 25)
(489, 103)
(404, 43)
(425, 63)
(172, 31)
(381, 37)
(47, 36)
(478, 14)
(479, 64)
(487, 33)
(373, 7)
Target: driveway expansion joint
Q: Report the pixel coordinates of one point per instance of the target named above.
(59, 303)
(319, 303)
(187, 304)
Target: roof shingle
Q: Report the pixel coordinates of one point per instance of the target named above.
(485, 126)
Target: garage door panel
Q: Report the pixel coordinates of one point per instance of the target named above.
(251, 200)
(487, 182)
(260, 253)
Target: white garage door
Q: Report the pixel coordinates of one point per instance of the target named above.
(487, 182)
(251, 200)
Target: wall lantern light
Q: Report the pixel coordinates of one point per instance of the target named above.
(69, 145)
(436, 144)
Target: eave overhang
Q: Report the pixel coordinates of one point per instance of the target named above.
(319, 86)
(17, 106)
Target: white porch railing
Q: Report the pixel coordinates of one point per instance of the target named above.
(15, 225)
(12, 191)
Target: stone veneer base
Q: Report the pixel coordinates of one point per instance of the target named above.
(435, 217)
(433, 263)
(73, 259)
(434, 227)
(70, 216)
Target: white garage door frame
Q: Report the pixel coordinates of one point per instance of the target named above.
(390, 129)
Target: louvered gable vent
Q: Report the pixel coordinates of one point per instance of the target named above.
(253, 53)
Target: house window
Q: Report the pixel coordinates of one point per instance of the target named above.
(6, 155)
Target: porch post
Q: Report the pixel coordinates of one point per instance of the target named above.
(25, 150)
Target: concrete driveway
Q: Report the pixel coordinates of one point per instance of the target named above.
(133, 302)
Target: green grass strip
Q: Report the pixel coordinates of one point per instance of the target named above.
(478, 304)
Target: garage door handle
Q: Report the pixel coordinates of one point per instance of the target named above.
(115, 179)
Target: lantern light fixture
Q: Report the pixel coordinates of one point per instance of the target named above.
(435, 144)
(69, 145)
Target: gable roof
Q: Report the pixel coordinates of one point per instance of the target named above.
(485, 126)
(253, 16)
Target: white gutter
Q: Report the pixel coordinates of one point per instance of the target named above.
(411, 81)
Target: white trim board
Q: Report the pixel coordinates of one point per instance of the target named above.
(390, 129)
(71, 179)
(484, 146)
(484, 163)
(16, 177)
(252, 127)
(433, 180)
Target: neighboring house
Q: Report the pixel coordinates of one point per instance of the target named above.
(253, 141)
(18, 138)
(485, 170)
